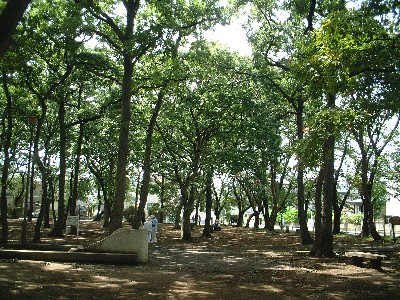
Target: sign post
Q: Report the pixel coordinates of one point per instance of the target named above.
(72, 221)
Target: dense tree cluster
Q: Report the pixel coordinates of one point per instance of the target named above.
(131, 99)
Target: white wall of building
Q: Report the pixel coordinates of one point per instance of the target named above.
(393, 207)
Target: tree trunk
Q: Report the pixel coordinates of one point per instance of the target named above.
(178, 212)
(31, 189)
(337, 207)
(9, 19)
(44, 199)
(74, 196)
(316, 250)
(144, 190)
(123, 150)
(46, 220)
(337, 213)
(328, 190)
(257, 220)
(52, 190)
(107, 211)
(24, 222)
(328, 187)
(18, 199)
(207, 225)
(302, 213)
(256, 216)
(185, 227)
(162, 200)
(188, 207)
(59, 225)
(7, 130)
(366, 194)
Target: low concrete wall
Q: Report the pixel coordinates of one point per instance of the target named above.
(124, 240)
(85, 257)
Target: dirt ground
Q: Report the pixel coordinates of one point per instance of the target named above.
(237, 263)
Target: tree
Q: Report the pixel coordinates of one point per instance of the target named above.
(7, 131)
(275, 50)
(144, 29)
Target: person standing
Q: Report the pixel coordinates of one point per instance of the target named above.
(154, 226)
(148, 225)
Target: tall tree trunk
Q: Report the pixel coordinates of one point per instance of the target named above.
(74, 194)
(132, 7)
(328, 190)
(188, 207)
(241, 209)
(59, 224)
(207, 225)
(366, 190)
(18, 199)
(24, 223)
(337, 213)
(46, 220)
(178, 211)
(44, 198)
(7, 130)
(328, 186)
(185, 227)
(162, 200)
(52, 189)
(316, 250)
(337, 207)
(257, 220)
(144, 190)
(31, 190)
(108, 193)
(123, 149)
(302, 213)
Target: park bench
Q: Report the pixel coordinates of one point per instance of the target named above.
(375, 260)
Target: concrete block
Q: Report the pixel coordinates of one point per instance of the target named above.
(124, 240)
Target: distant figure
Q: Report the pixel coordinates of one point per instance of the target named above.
(199, 219)
(148, 226)
(154, 225)
(217, 225)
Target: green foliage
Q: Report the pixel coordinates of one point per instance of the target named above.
(154, 209)
(355, 219)
(380, 196)
(290, 216)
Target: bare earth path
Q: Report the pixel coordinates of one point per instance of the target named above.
(237, 263)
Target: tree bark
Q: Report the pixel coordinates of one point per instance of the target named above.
(316, 250)
(7, 130)
(207, 230)
(302, 213)
(366, 190)
(123, 149)
(144, 191)
(328, 186)
(59, 225)
(9, 19)
(44, 175)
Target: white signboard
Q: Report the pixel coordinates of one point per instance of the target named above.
(72, 221)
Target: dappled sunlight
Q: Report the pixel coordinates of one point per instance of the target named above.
(188, 288)
(236, 263)
(265, 288)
